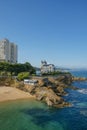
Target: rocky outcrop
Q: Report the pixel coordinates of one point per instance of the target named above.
(48, 96)
(79, 79)
(51, 89)
(48, 89)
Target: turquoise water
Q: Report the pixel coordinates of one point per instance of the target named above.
(27, 115)
(34, 115)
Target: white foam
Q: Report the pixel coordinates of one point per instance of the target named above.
(83, 112)
(83, 91)
(81, 105)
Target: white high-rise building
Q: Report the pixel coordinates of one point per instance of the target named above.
(8, 51)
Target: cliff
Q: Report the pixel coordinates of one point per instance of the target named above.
(51, 89)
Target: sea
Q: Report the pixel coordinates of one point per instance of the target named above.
(34, 115)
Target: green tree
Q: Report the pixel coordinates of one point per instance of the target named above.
(14, 69)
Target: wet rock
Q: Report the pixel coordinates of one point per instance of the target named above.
(61, 91)
(49, 103)
(79, 79)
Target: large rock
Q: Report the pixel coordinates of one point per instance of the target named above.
(66, 79)
(60, 91)
(43, 82)
(48, 96)
(48, 101)
(30, 88)
(79, 79)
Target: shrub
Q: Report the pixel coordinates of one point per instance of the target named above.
(23, 75)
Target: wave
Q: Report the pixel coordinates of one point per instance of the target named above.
(83, 112)
(81, 105)
(83, 91)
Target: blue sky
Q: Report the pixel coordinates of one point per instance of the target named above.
(52, 30)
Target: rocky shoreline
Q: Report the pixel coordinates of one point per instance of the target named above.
(51, 90)
(48, 89)
(79, 79)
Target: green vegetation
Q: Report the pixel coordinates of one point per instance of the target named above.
(23, 75)
(7, 69)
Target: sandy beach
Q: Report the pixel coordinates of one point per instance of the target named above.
(9, 93)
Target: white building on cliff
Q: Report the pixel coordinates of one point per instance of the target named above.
(47, 68)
